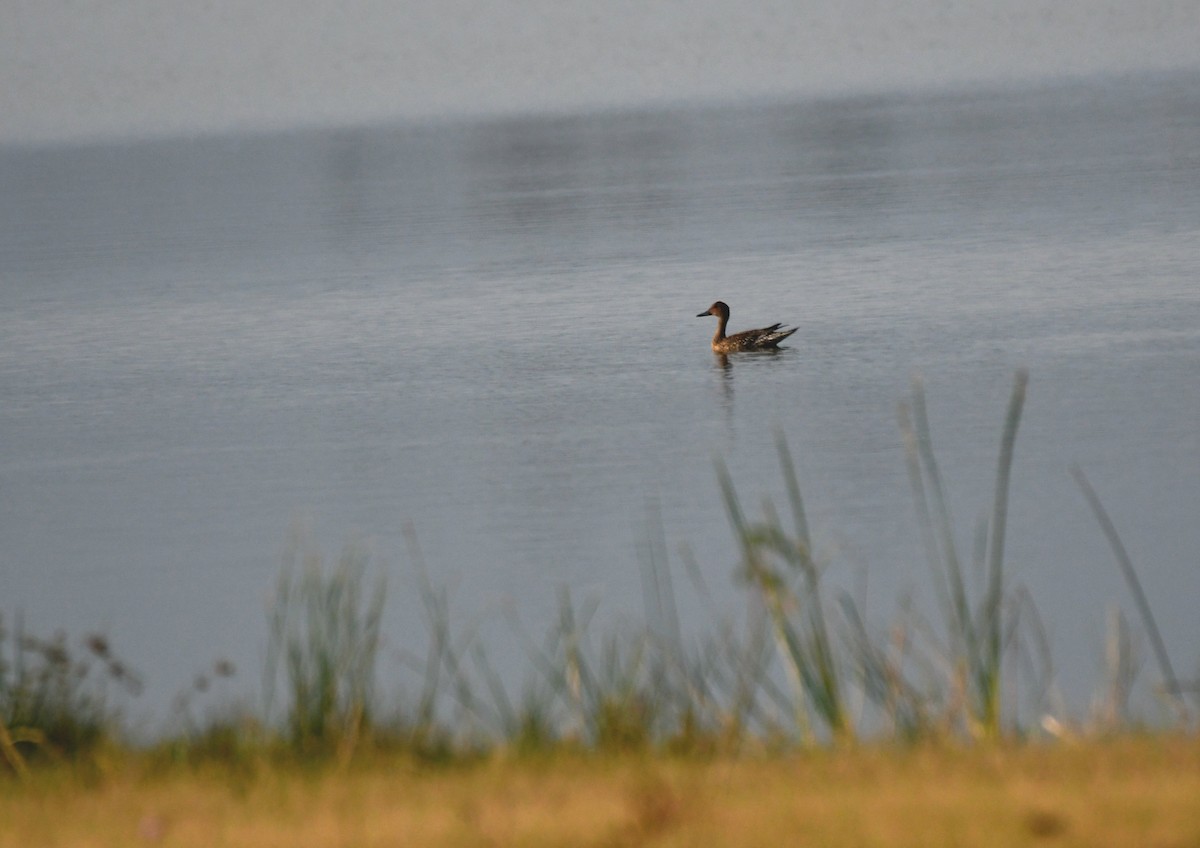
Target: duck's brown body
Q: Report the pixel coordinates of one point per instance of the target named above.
(766, 338)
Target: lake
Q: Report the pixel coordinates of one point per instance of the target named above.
(485, 331)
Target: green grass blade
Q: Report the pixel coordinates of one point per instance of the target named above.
(995, 590)
(1170, 681)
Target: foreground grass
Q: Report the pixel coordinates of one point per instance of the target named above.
(1124, 791)
(803, 721)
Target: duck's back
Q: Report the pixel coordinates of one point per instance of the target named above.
(765, 338)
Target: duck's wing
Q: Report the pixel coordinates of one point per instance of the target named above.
(764, 337)
(756, 335)
(773, 335)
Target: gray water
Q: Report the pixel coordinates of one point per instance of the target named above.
(485, 331)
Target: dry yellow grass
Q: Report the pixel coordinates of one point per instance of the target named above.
(1125, 792)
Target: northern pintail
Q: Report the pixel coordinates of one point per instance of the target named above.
(767, 338)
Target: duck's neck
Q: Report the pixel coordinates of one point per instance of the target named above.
(722, 320)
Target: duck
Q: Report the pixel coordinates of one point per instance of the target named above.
(766, 338)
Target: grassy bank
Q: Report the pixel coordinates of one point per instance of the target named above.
(1128, 791)
(800, 722)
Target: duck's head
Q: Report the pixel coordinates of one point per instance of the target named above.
(719, 309)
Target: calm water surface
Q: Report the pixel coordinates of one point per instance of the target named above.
(486, 332)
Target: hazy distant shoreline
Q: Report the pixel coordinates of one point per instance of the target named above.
(431, 120)
(139, 69)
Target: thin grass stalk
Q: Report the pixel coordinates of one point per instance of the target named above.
(434, 606)
(575, 675)
(753, 677)
(769, 588)
(959, 611)
(668, 663)
(276, 630)
(990, 683)
(976, 635)
(750, 664)
(703, 682)
(1170, 681)
(806, 648)
(947, 581)
(794, 498)
(446, 655)
(789, 650)
(324, 643)
(658, 596)
(1040, 672)
(542, 658)
(825, 688)
(741, 696)
(472, 706)
(1119, 669)
(431, 682)
(799, 552)
(924, 514)
(882, 680)
(506, 714)
(748, 673)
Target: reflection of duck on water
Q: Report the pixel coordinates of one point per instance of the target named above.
(766, 338)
